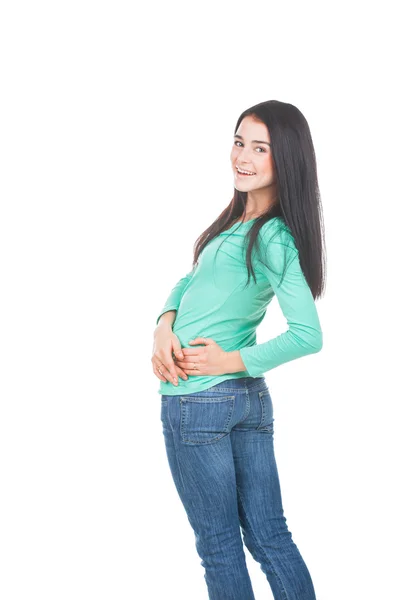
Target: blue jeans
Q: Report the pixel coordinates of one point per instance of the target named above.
(220, 451)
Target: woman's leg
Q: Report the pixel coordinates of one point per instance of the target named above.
(265, 531)
(196, 432)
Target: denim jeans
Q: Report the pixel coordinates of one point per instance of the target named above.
(220, 451)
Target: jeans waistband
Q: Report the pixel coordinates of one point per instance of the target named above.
(238, 383)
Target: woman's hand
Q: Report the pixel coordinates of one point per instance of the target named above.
(166, 343)
(209, 359)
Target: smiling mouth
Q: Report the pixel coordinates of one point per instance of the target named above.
(244, 173)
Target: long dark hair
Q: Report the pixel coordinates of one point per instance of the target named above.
(298, 198)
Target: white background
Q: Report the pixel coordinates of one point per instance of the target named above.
(117, 122)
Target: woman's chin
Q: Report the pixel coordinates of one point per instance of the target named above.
(243, 186)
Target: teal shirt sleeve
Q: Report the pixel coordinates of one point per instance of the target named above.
(174, 298)
(304, 334)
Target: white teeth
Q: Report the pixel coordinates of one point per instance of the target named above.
(245, 172)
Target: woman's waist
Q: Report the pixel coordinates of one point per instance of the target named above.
(230, 336)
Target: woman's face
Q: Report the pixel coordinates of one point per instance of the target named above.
(251, 153)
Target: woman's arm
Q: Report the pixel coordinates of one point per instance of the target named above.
(304, 334)
(174, 298)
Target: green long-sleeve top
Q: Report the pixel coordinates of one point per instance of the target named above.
(212, 301)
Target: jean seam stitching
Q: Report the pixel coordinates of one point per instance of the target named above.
(246, 410)
(176, 448)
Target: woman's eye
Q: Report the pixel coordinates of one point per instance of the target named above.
(258, 147)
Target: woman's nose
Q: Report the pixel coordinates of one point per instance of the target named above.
(244, 155)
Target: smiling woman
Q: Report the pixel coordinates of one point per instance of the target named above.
(249, 165)
(217, 419)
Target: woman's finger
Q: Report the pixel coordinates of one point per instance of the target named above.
(168, 374)
(158, 374)
(165, 375)
(181, 372)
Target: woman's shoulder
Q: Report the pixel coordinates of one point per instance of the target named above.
(277, 231)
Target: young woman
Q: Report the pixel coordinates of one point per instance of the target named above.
(217, 419)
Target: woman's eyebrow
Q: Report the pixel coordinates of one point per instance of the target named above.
(256, 141)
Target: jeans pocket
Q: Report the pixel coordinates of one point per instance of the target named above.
(267, 412)
(205, 419)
